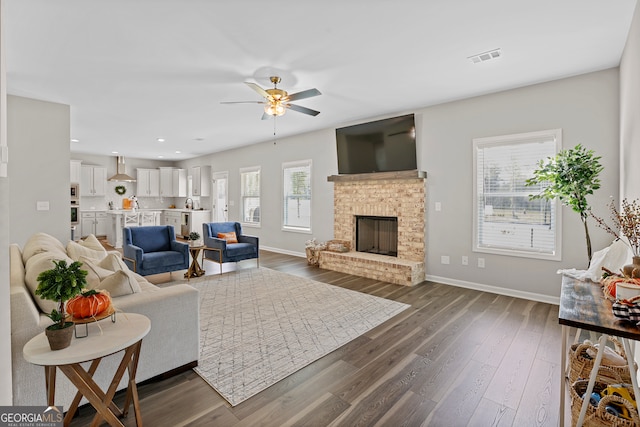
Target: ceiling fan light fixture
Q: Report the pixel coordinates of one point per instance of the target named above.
(275, 109)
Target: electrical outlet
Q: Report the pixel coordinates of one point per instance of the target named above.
(444, 259)
(438, 206)
(480, 262)
(465, 260)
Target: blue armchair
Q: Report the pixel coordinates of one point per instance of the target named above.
(246, 248)
(154, 249)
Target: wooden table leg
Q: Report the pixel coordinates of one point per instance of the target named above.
(132, 389)
(76, 400)
(632, 369)
(50, 384)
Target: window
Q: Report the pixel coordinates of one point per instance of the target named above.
(250, 195)
(296, 180)
(505, 220)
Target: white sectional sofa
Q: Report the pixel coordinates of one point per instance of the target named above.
(171, 345)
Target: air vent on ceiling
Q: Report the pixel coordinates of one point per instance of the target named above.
(486, 56)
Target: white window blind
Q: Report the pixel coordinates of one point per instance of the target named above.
(250, 195)
(296, 180)
(505, 220)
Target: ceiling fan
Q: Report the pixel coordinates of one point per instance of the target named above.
(277, 101)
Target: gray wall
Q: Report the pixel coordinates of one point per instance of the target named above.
(585, 107)
(630, 113)
(38, 139)
(5, 309)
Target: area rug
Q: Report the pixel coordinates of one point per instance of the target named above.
(259, 326)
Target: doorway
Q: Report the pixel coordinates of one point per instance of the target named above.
(220, 197)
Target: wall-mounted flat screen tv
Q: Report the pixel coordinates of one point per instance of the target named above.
(381, 146)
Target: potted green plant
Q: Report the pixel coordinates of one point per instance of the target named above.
(60, 284)
(570, 176)
(193, 235)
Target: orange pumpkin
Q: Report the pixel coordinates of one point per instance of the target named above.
(88, 304)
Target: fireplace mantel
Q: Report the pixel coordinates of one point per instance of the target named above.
(411, 174)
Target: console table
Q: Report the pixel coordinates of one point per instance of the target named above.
(583, 306)
(107, 338)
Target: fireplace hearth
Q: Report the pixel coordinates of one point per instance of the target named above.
(377, 235)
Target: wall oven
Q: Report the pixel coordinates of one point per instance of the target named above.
(75, 194)
(75, 214)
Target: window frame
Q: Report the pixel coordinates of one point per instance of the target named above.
(243, 171)
(295, 164)
(512, 139)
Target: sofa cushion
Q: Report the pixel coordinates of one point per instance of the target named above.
(99, 271)
(36, 265)
(39, 243)
(76, 250)
(117, 284)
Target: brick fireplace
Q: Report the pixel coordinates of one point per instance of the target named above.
(398, 195)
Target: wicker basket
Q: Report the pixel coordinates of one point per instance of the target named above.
(598, 416)
(580, 365)
(313, 256)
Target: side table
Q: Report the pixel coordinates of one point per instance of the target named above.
(195, 269)
(124, 335)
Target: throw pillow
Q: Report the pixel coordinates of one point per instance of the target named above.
(39, 243)
(36, 265)
(114, 263)
(230, 237)
(117, 284)
(76, 250)
(92, 242)
(96, 273)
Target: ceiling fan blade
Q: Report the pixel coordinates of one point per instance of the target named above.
(258, 89)
(303, 110)
(266, 116)
(304, 94)
(242, 102)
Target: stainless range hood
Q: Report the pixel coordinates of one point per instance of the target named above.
(120, 175)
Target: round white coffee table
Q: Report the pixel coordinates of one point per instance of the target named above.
(105, 338)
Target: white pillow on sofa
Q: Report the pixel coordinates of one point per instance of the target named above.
(36, 265)
(117, 284)
(99, 271)
(76, 250)
(39, 243)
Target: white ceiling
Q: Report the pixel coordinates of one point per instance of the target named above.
(137, 70)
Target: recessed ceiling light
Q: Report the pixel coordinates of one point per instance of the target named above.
(114, 152)
(161, 157)
(75, 140)
(160, 139)
(485, 56)
(178, 152)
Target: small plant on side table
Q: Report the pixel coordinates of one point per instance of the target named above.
(60, 284)
(193, 236)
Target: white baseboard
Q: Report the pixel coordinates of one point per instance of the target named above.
(495, 289)
(454, 282)
(284, 251)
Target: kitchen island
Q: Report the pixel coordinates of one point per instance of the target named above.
(119, 218)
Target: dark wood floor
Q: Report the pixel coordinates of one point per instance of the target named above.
(457, 357)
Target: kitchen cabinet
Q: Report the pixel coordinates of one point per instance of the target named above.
(95, 223)
(148, 183)
(93, 180)
(201, 181)
(75, 171)
(173, 182)
(192, 220)
(173, 218)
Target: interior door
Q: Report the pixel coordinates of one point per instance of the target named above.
(220, 196)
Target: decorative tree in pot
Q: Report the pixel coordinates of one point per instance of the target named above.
(60, 284)
(570, 176)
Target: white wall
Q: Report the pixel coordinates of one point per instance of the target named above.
(5, 313)
(630, 113)
(38, 139)
(585, 107)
